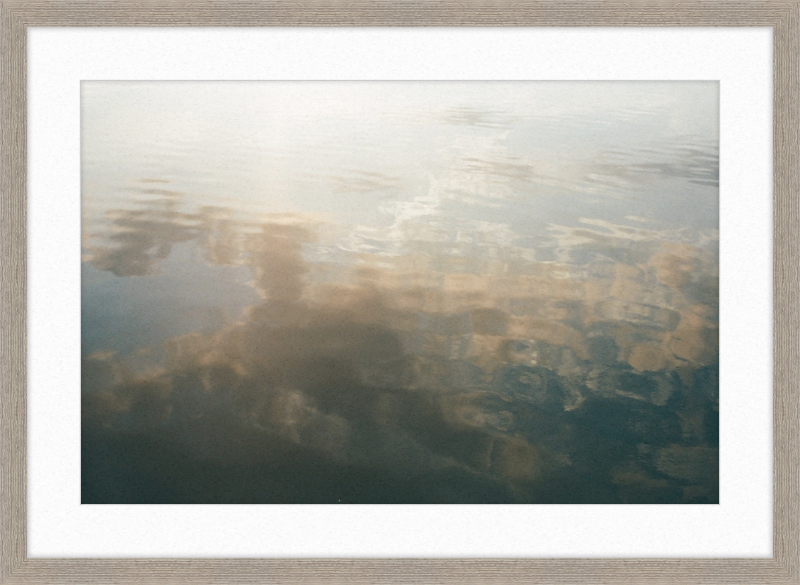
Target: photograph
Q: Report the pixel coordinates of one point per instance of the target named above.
(399, 292)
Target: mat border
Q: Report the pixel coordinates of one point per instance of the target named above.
(17, 15)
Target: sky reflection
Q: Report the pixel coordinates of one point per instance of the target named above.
(400, 292)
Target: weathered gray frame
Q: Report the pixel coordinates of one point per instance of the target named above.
(18, 15)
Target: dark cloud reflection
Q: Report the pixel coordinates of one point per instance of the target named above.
(593, 379)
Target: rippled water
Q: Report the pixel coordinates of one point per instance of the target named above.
(400, 292)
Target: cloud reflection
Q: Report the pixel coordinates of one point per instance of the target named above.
(415, 377)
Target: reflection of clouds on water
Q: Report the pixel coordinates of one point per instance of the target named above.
(590, 379)
(135, 240)
(308, 380)
(140, 237)
(400, 292)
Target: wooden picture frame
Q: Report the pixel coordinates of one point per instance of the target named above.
(784, 19)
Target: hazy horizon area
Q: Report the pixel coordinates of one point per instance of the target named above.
(400, 292)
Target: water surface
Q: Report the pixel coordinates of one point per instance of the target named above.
(400, 292)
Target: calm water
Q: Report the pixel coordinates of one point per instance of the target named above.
(400, 292)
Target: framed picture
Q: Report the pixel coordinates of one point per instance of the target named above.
(462, 294)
